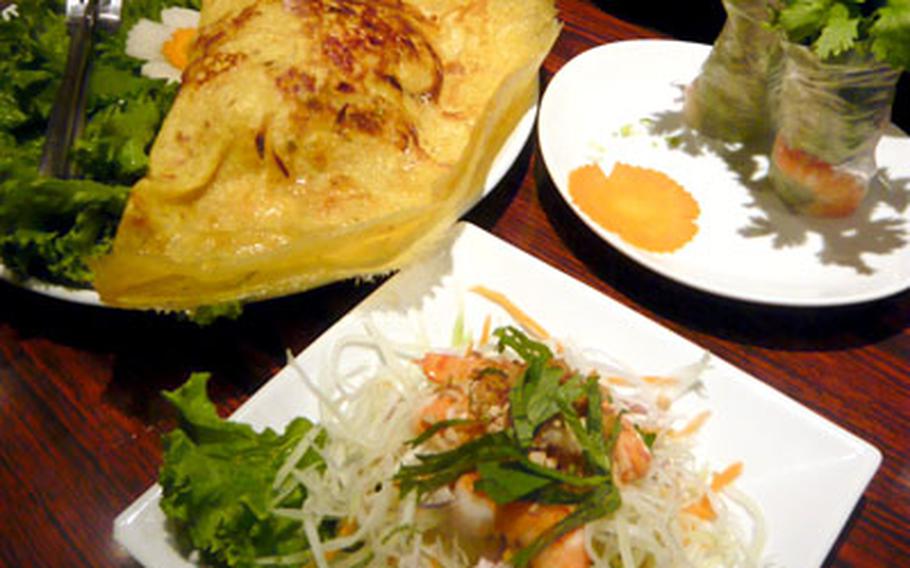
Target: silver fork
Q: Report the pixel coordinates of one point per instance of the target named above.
(68, 113)
(109, 14)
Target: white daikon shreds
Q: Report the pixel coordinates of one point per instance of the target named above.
(651, 524)
(367, 428)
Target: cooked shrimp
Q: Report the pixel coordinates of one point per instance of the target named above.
(444, 369)
(447, 371)
(631, 456)
(473, 514)
(813, 186)
(522, 523)
(472, 387)
(567, 552)
(445, 406)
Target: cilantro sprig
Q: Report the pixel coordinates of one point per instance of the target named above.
(544, 391)
(833, 28)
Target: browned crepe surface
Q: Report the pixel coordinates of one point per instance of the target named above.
(316, 140)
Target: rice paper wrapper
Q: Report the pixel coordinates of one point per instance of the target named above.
(829, 118)
(729, 100)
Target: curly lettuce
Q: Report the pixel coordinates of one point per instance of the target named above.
(50, 227)
(217, 482)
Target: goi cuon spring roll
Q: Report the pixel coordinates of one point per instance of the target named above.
(814, 81)
(841, 62)
(729, 98)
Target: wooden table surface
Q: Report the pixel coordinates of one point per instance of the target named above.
(80, 413)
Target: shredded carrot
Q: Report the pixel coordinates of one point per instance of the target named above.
(726, 477)
(485, 331)
(619, 381)
(693, 426)
(517, 313)
(347, 528)
(664, 402)
(645, 207)
(661, 381)
(702, 509)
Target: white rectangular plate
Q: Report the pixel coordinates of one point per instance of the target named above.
(805, 472)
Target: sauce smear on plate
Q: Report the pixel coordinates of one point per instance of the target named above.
(646, 208)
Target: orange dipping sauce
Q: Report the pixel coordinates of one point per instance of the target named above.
(646, 208)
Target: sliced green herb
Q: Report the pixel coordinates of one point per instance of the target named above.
(508, 482)
(438, 427)
(599, 503)
(590, 435)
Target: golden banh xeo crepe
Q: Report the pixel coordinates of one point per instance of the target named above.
(317, 140)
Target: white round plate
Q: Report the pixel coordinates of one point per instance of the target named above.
(622, 102)
(507, 155)
(75, 295)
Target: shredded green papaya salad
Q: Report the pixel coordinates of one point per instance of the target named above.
(49, 227)
(515, 451)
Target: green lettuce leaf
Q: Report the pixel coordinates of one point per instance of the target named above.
(113, 146)
(207, 315)
(891, 34)
(50, 227)
(217, 482)
(45, 233)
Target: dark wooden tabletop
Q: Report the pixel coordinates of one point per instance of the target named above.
(81, 415)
